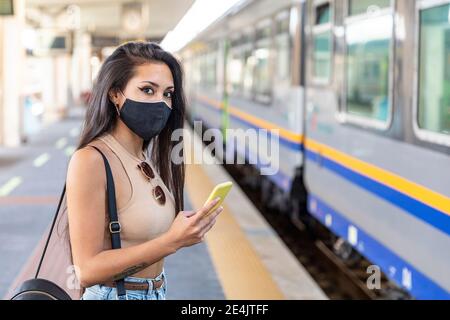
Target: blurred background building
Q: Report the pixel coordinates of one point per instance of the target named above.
(50, 50)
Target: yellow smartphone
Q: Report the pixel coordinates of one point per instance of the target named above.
(221, 190)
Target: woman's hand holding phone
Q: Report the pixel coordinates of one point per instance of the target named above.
(189, 227)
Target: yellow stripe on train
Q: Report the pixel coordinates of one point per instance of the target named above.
(258, 122)
(414, 190)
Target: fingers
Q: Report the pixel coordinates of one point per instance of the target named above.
(215, 213)
(208, 226)
(207, 220)
(189, 213)
(203, 211)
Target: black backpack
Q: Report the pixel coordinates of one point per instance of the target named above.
(42, 289)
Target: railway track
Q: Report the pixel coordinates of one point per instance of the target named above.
(340, 271)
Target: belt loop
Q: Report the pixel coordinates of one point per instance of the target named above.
(124, 297)
(163, 277)
(150, 286)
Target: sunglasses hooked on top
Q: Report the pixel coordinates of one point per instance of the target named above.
(158, 192)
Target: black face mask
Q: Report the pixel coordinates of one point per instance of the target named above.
(146, 119)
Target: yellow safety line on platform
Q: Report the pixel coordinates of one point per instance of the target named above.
(239, 268)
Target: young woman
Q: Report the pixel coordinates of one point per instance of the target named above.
(137, 103)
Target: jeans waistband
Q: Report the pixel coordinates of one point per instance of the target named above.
(149, 281)
(145, 280)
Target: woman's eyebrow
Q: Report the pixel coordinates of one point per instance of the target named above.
(157, 85)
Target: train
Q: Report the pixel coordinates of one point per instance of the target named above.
(358, 92)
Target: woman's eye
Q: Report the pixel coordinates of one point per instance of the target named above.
(169, 94)
(147, 90)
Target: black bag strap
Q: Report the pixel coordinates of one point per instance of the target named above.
(114, 225)
(50, 233)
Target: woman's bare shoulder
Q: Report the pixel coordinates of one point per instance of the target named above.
(87, 164)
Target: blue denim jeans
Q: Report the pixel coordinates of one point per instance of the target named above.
(101, 292)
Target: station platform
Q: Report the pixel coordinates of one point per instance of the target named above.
(241, 257)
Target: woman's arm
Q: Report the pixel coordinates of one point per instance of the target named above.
(119, 263)
(86, 202)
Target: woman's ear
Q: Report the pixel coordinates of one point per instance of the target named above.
(113, 96)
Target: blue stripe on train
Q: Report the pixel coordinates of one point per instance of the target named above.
(395, 267)
(434, 217)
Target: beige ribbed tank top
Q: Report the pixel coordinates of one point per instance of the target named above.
(141, 217)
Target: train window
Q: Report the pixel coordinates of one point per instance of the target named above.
(282, 49)
(201, 63)
(322, 56)
(248, 64)
(261, 60)
(196, 70)
(202, 66)
(357, 7)
(323, 14)
(322, 44)
(210, 67)
(368, 58)
(434, 70)
(235, 67)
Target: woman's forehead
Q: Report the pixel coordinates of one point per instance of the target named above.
(158, 73)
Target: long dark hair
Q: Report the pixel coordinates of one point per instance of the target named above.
(101, 115)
